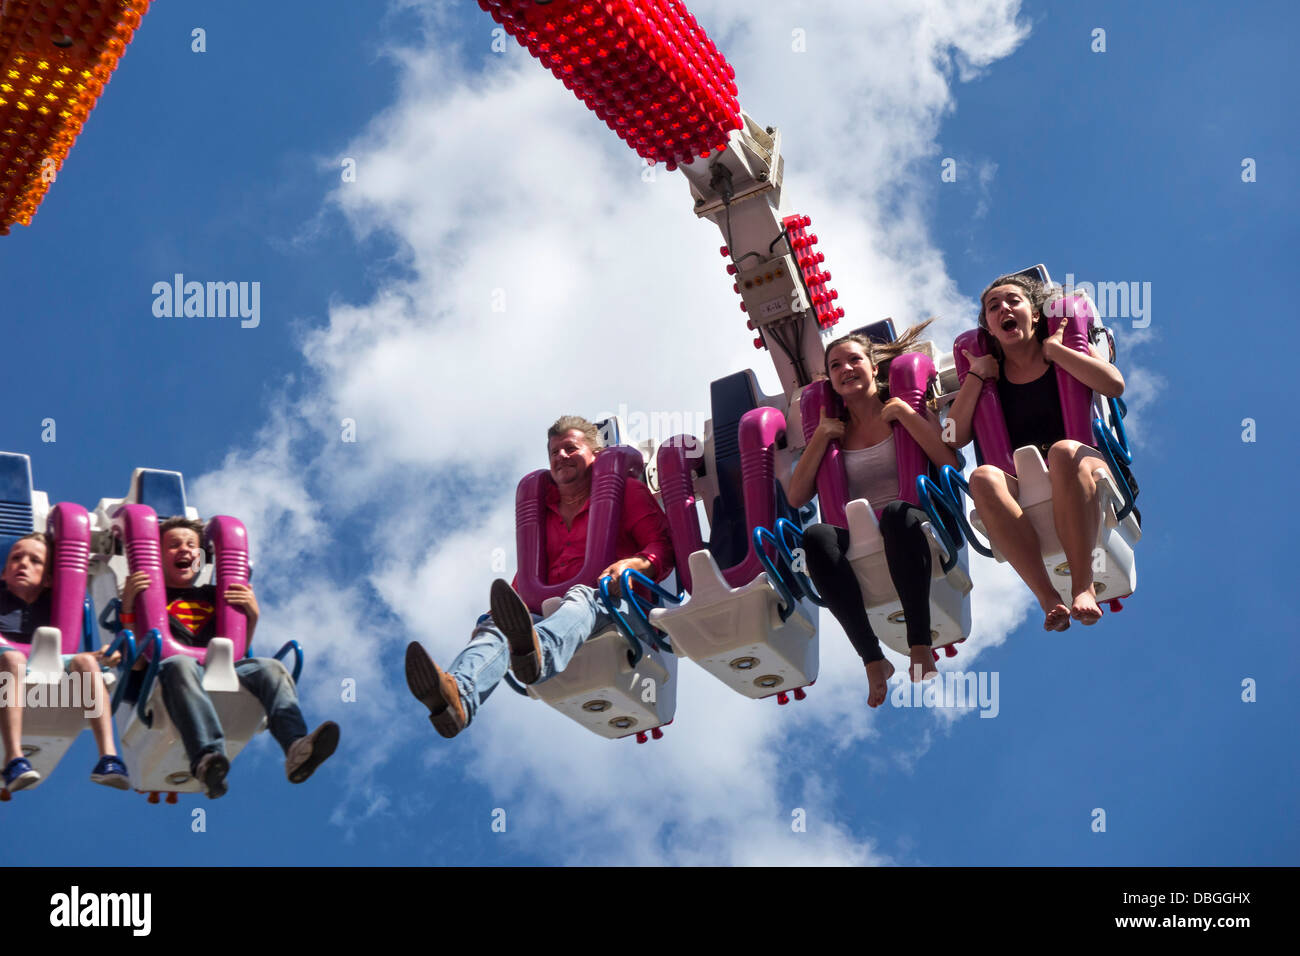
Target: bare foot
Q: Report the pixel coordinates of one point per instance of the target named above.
(922, 667)
(1085, 608)
(878, 674)
(1058, 617)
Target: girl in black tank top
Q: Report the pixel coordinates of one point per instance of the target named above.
(1032, 411)
(1019, 337)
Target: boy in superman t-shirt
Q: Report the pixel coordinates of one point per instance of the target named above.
(192, 614)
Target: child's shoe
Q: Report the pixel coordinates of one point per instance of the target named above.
(18, 773)
(111, 772)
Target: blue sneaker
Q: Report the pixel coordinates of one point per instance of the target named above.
(19, 774)
(111, 772)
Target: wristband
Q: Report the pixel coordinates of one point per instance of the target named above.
(648, 560)
(976, 374)
(126, 618)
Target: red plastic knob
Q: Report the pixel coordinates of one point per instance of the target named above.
(656, 733)
(950, 651)
(758, 342)
(5, 796)
(783, 698)
(731, 268)
(1115, 605)
(171, 796)
(799, 694)
(725, 252)
(935, 654)
(153, 796)
(640, 737)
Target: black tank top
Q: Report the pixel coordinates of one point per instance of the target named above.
(1033, 412)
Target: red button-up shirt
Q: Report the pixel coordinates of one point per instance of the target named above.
(643, 529)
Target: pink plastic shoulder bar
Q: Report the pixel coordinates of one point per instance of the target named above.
(759, 431)
(909, 377)
(1076, 398)
(70, 526)
(678, 459)
(230, 545)
(988, 422)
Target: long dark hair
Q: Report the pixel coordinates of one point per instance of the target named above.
(1036, 291)
(880, 354)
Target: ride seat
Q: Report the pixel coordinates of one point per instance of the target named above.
(910, 375)
(1115, 569)
(735, 624)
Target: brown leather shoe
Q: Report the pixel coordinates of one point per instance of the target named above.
(435, 689)
(511, 615)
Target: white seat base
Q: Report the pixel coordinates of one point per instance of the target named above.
(607, 695)
(1114, 567)
(63, 706)
(737, 635)
(950, 619)
(154, 756)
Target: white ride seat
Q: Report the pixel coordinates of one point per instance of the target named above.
(602, 690)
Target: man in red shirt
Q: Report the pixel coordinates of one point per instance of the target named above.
(540, 648)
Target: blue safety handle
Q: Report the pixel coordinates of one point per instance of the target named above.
(635, 653)
(154, 640)
(1118, 409)
(89, 637)
(297, 660)
(931, 497)
(656, 637)
(1109, 447)
(124, 641)
(955, 486)
(778, 579)
(115, 624)
(803, 584)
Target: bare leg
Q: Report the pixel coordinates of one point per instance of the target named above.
(996, 497)
(1077, 518)
(95, 702)
(878, 674)
(13, 671)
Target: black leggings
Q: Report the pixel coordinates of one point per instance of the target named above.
(907, 551)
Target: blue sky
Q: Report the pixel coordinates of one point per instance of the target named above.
(478, 172)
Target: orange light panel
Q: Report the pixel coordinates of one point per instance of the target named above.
(645, 67)
(56, 57)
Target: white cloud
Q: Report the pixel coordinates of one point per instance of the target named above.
(498, 188)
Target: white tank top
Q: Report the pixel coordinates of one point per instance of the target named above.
(873, 473)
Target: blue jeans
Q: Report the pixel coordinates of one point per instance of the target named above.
(191, 710)
(484, 661)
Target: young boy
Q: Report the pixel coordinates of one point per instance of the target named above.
(25, 606)
(192, 618)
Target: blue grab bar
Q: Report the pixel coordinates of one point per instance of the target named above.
(154, 640)
(297, 662)
(123, 641)
(635, 652)
(1111, 448)
(783, 587)
(802, 583)
(657, 638)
